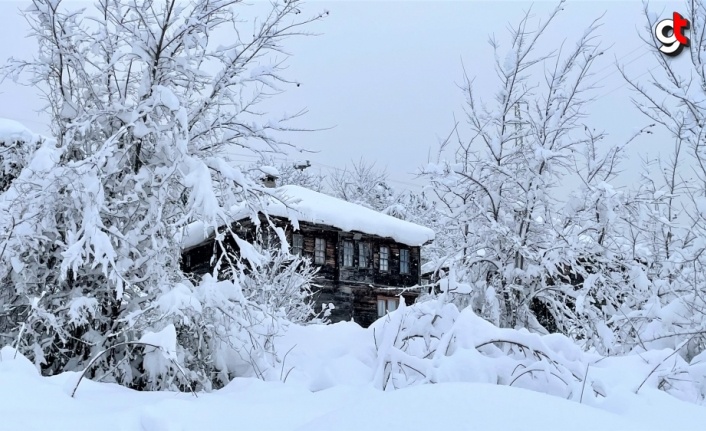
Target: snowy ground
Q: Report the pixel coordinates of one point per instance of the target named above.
(329, 388)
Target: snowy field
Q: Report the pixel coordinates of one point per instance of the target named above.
(331, 384)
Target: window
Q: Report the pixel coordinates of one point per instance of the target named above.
(384, 256)
(404, 261)
(320, 251)
(347, 253)
(363, 254)
(387, 305)
(297, 244)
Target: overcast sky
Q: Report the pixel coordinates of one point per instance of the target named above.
(383, 76)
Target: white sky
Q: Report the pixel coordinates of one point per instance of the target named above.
(383, 75)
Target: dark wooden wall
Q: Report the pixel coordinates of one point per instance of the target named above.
(352, 290)
(373, 274)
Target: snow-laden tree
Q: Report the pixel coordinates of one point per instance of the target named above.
(365, 185)
(528, 263)
(144, 97)
(608, 261)
(673, 193)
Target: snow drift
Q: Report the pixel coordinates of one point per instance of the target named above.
(330, 374)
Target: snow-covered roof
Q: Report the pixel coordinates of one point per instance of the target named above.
(300, 204)
(11, 130)
(270, 170)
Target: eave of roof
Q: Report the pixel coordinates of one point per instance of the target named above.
(297, 204)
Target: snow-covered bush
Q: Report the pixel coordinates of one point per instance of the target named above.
(282, 285)
(221, 333)
(427, 343)
(211, 331)
(434, 342)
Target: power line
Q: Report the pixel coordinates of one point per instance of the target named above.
(633, 51)
(615, 71)
(626, 83)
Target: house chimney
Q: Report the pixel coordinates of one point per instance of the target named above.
(270, 181)
(271, 174)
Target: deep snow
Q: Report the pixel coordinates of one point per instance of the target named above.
(328, 387)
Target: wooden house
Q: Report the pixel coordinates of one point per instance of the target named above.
(366, 259)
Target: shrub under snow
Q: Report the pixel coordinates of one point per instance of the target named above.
(434, 342)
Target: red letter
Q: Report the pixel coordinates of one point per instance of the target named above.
(679, 25)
